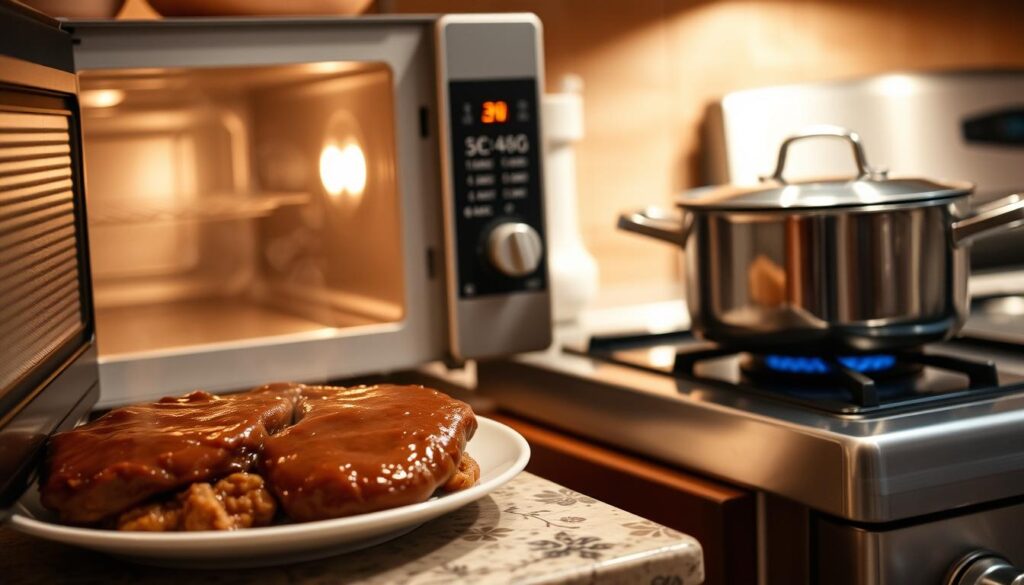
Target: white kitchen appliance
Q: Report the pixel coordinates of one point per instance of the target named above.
(296, 199)
(309, 198)
(574, 275)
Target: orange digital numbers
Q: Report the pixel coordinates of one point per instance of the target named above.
(494, 113)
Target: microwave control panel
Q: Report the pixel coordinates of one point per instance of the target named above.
(489, 82)
(497, 211)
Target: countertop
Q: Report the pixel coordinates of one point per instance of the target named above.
(528, 531)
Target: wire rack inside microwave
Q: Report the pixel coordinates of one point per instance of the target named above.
(209, 207)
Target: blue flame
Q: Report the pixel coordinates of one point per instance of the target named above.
(864, 364)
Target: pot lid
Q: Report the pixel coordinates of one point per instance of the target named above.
(870, 187)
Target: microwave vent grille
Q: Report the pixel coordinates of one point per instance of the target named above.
(40, 289)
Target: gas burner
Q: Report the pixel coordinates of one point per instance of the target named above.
(858, 374)
(814, 370)
(820, 366)
(848, 384)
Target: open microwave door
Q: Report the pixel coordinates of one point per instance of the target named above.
(277, 180)
(48, 374)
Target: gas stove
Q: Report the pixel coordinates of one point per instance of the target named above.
(869, 445)
(865, 384)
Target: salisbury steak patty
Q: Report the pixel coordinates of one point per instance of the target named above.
(133, 453)
(368, 448)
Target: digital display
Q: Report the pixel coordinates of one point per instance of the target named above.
(496, 177)
(494, 112)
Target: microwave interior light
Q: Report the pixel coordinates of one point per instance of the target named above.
(101, 98)
(343, 169)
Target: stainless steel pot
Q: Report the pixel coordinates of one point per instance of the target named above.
(841, 265)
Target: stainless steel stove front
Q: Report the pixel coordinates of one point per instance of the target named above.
(864, 469)
(901, 496)
(925, 553)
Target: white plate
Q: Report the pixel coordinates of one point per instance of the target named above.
(501, 452)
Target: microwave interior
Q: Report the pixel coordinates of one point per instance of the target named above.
(239, 204)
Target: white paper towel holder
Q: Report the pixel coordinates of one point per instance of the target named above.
(573, 271)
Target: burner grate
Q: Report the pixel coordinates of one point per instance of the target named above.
(861, 384)
(858, 374)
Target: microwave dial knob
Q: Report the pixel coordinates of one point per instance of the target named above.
(515, 249)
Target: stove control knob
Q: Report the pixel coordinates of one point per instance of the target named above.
(985, 568)
(515, 249)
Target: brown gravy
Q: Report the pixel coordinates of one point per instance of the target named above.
(136, 452)
(362, 449)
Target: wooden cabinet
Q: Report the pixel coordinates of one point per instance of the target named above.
(722, 517)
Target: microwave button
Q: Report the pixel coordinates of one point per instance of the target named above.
(514, 249)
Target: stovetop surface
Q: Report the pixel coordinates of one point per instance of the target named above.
(932, 446)
(929, 447)
(953, 372)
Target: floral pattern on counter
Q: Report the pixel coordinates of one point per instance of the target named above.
(587, 547)
(562, 497)
(650, 529)
(529, 531)
(491, 533)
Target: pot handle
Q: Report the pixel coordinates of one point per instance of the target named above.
(658, 224)
(864, 170)
(998, 216)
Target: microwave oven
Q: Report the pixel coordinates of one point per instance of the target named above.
(305, 199)
(219, 203)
